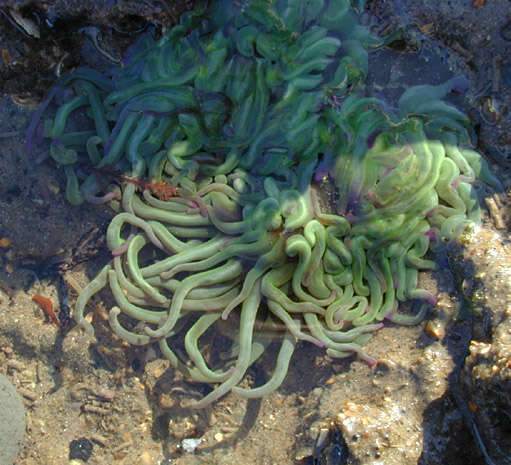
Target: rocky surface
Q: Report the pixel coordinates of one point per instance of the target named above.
(40, 40)
(12, 422)
(471, 38)
(485, 378)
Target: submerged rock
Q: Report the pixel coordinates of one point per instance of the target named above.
(12, 422)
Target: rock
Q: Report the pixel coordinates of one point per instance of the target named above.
(37, 31)
(12, 422)
(485, 379)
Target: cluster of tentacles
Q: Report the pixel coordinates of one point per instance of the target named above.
(240, 118)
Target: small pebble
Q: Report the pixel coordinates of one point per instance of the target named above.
(5, 242)
(435, 329)
(166, 400)
(146, 458)
(12, 422)
(189, 445)
(80, 449)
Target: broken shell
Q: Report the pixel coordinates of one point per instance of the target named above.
(29, 26)
(435, 329)
(492, 109)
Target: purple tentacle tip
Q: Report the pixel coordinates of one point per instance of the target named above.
(371, 362)
(431, 234)
(455, 183)
(432, 300)
(372, 138)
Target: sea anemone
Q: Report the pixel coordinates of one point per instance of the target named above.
(226, 130)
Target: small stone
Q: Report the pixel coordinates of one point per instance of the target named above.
(80, 449)
(12, 421)
(146, 458)
(182, 428)
(5, 242)
(435, 329)
(166, 400)
(53, 188)
(189, 445)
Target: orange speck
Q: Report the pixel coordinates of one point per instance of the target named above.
(351, 406)
(479, 3)
(46, 305)
(472, 406)
(5, 242)
(162, 189)
(426, 28)
(6, 56)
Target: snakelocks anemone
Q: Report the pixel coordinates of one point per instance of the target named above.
(224, 132)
